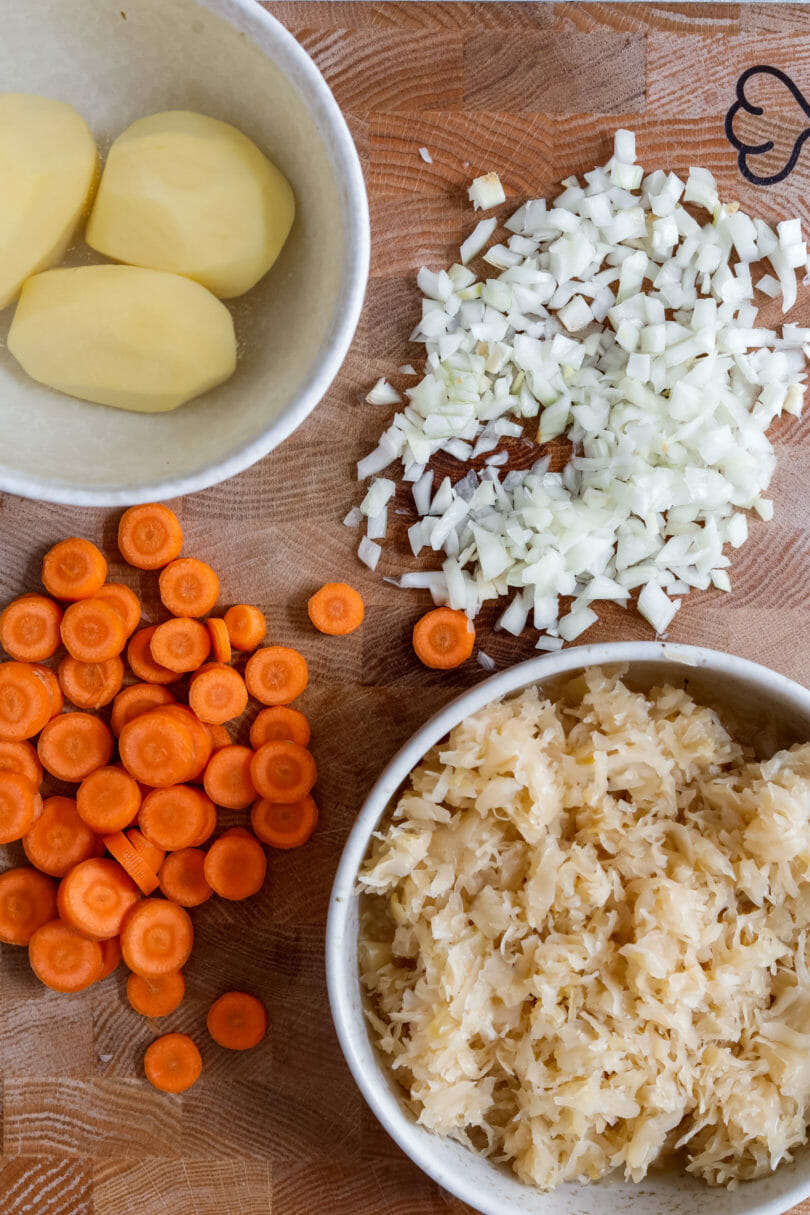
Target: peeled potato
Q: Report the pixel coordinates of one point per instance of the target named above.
(123, 336)
(48, 168)
(193, 195)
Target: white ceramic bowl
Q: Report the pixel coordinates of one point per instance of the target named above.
(769, 711)
(115, 61)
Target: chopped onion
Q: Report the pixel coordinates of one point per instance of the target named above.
(383, 394)
(485, 660)
(486, 192)
(369, 552)
(477, 239)
(426, 156)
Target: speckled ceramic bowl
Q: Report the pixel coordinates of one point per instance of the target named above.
(115, 61)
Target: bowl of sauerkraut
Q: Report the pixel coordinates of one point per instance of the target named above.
(567, 948)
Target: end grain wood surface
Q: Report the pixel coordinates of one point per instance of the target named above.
(533, 91)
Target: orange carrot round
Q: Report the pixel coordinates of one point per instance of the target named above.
(25, 701)
(138, 698)
(92, 631)
(158, 749)
(227, 777)
(283, 771)
(284, 824)
(20, 805)
(156, 938)
(217, 733)
(108, 799)
(150, 852)
(173, 817)
(90, 685)
(276, 674)
(237, 1021)
(181, 644)
(73, 745)
(59, 838)
(188, 587)
(110, 956)
(131, 861)
(246, 625)
(95, 897)
(141, 662)
(63, 959)
(336, 609)
(280, 722)
(50, 680)
(149, 536)
(200, 737)
(235, 866)
(172, 1063)
(22, 757)
(123, 600)
(220, 641)
(27, 901)
(182, 877)
(73, 569)
(209, 826)
(217, 694)
(443, 638)
(29, 628)
(156, 997)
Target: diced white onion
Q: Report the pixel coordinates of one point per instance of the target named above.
(369, 552)
(426, 156)
(477, 239)
(486, 192)
(383, 394)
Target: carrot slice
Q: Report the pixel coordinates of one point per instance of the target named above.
(276, 674)
(220, 641)
(73, 569)
(235, 866)
(443, 638)
(95, 896)
(123, 600)
(217, 694)
(150, 852)
(131, 861)
(138, 698)
(336, 609)
(92, 631)
(110, 956)
(157, 938)
(141, 662)
(200, 737)
(73, 745)
(217, 733)
(237, 1021)
(25, 702)
(158, 749)
(280, 722)
(283, 771)
(209, 826)
(22, 757)
(149, 536)
(188, 587)
(173, 818)
(156, 997)
(246, 625)
(284, 824)
(90, 685)
(181, 644)
(49, 678)
(63, 959)
(20, 805)
(29, 628)
(182, 877)
(227, 777)
(108, 799)
(172, 1063)
(27, 901)
(59, 838)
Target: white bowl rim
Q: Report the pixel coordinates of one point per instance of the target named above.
(381, 1101)
(251, 19)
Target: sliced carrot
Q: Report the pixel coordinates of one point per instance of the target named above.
(92, 631)
(172, 1063)
(90, 685)
(138, 698)
(52, 686)
(284, 824)
(227, 777)
(73, 569)
(63, 959)
(276, 674)
(73, 745)
(188, 587)
(131, 861)
(217, 733)
(59, 838)
(123, 600)
(25, 702)
(20, 805)
(22, 757)
(108, 799)
(29, 628)
(336, 609)
(209, 826)
(180, 644)
(217, 694)
(283, 771)
(27, 901)
(95, 896)
(150, 852)
(280, 722)
(111, 956)
(237, 1021)
(246, 625)
(158, 749)
(220, 641)
(156, 997)
(199, 736)
(235, 866)
(149, 536)
(173, 818)
(443, 638)
(182, 877)
(141, 662)
(156, 938)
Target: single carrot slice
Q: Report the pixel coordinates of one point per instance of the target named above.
(149, 536)
(158, 749)
(180, 644)
(227, 777)
(209, 826)
(92, 631)
(443, 638)
(188, 587)
(199, 736)
(235, 866)
(20, 805)
(150, 852)
(157, 938)
(110, 956)
(276, 674)
(73, 745)
(220, 641)
(283, 771)
(29, 628)
(90, 685)
(182, 877)
(123, 600)
(173, 818)
(95, 896)
(22, 757)
(141, 662)
(237, 1021)
(59, 838)
(172, 1063)
(27, 901)
(138, 698)
(73, 569)
(336, 609)
(52, 686)
(131, 861)
(246, 625)
(217, 733)
(25, 702)
(63, 959)
(280, 722)
(108, 799)
(284, 824)
(156, 997)
(217, 694)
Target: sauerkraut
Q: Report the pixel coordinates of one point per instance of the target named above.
(583, 937)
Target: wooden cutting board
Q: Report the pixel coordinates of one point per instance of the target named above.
(533, 91)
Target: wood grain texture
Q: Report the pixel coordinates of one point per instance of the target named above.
(533, 91)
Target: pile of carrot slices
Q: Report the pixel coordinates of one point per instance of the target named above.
(117, 865)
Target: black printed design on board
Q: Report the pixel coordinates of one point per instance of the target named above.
(746, 150)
